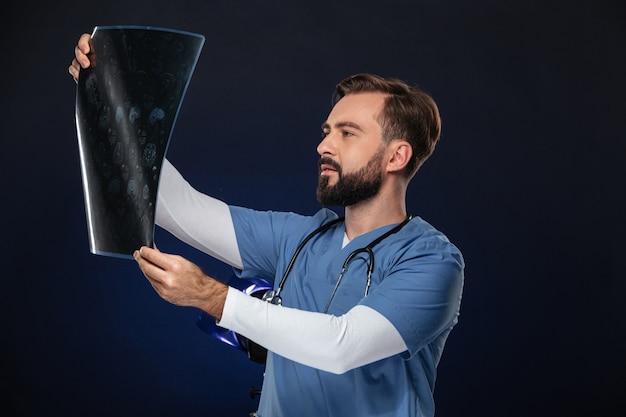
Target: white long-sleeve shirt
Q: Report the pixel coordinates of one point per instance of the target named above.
(330, 343)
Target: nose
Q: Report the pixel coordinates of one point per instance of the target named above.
(326, 146)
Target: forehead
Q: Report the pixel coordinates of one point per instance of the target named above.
(360, 108)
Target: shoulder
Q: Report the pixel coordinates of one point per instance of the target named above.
(420, 233)
(419, 239)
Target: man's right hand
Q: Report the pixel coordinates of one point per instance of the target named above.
(82, 50)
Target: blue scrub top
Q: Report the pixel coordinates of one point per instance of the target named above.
(417, 284)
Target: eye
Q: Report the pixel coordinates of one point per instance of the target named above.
(347, 133)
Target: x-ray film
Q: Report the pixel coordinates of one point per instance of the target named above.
(126, 106)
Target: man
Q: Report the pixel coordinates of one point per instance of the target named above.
(363, 307)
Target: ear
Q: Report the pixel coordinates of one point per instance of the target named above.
(400, 155)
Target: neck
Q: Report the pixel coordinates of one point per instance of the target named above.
(382, 210)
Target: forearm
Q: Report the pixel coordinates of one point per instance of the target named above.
(214, 298)
(195, 218)
(330, 343)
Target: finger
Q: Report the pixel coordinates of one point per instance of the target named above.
(84, 43)
(146, 254)
(153, 272)
(81, 58)
(74, 69)
(156, 257)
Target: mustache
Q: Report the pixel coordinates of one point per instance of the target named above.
(327, 161)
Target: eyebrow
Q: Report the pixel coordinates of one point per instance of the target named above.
(339, 125)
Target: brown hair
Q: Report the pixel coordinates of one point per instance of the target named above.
(409, 114)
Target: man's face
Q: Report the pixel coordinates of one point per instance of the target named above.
(352, 151)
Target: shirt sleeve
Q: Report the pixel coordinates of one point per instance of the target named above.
(421, 296)
(330, 343)
(195, 218)
(263, 236)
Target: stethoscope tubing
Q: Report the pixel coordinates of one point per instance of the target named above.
(273, 296)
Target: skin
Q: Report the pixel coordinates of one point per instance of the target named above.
(352, 135)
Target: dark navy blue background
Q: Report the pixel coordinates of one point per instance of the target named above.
(528, 180)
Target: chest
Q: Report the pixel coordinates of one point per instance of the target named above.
(328, 278)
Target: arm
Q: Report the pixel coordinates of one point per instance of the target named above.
(195, 218)
(323, 341)
(330, 343)
(414, 306)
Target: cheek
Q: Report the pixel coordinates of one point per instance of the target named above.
(356, 160)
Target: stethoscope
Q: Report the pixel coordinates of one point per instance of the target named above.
(274, 297)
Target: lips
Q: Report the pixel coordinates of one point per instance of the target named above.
(328, 167)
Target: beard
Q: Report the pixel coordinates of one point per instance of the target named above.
(351, 188)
